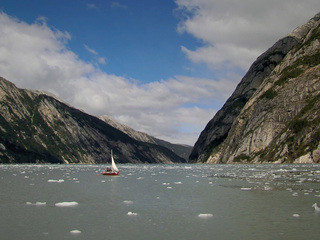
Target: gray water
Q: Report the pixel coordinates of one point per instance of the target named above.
(160, 202)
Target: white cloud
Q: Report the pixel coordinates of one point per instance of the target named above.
(102, 60)
(118, 5)
(91, 6)
(90, 50)
(235, 32)
(36, 56)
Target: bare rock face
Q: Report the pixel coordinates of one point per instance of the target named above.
(38, 128)
(273, 115)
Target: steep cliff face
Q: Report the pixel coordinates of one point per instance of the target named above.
(36, 128)
(273, 114)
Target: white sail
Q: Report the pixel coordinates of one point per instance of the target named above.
(113, 165)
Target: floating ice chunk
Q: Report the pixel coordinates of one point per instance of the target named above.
(296, 215)
(169, 187)
(127, 202)
(66, 204)
(205, 215)
(267, 188)
(165, 184)
(37, 203)
(75, 231)
(55, 181)
(295, 194)
(177, 182)
(316, 208)
(132, 214)
(246, 189)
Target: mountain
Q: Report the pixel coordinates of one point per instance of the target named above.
(38, 128)
(179, 149)
(274, 113)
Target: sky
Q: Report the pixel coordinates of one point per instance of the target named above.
(163, 67)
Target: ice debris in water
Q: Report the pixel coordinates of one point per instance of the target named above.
(75, 231)
(127, 202)
(205, 215)
(132, 214)
(66, 204)
(37, 203)
(296, 215)
(55, 181)
(316, 208)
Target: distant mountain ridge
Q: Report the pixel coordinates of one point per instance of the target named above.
(273, 115)
(181, 150)
(38, 128)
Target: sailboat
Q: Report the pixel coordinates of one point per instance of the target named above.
(113, 171)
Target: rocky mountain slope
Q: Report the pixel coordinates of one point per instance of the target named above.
(179, 149)
(38, 128)
(273, 115)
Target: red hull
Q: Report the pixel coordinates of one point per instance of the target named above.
(110, 173)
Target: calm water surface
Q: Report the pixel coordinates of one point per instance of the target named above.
(160, 202)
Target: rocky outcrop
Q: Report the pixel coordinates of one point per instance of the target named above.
(38, 128)
(273, 115)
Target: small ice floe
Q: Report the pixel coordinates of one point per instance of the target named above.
(296, 215)
(139, 178)
(103, 181)
(37, 203)
(295, 194)
(55, 181)
(132, 214)
(165, 184)
(205, 215)
(127, 202)
(267, 188)
(316, 208)
(169, 187)
(177, 182)
(75, 231)
(66, 204)
(246, 188)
